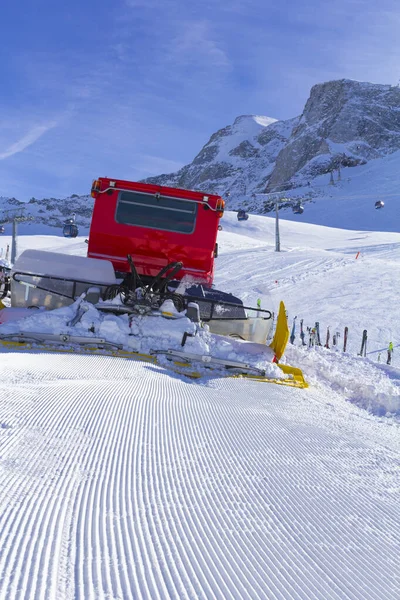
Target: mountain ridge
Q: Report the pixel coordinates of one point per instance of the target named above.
(347, 128)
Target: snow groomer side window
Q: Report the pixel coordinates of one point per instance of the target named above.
(155, 211)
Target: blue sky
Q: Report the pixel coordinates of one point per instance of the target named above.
(134, 88)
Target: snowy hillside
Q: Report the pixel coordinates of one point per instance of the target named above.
(122, 480)
(350, 202)
(119, 479)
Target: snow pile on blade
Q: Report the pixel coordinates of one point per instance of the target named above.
(144, 334)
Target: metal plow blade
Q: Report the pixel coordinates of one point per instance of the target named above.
(183, 362)
(180, 362)
(296, 377)
(75, 347)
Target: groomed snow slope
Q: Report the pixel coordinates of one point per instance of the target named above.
(120, 480)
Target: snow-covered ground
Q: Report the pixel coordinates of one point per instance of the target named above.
(122, 480)
(350, 202)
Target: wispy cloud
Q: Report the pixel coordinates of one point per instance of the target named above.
(190, 33)
(196, 45)
(154, 165)
(27, 140)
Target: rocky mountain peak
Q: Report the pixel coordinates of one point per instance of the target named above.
(344, 123)
(237, 158)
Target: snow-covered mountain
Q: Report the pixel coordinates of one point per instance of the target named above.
(344, 126)
(238, 159)
(338, 157)
(46, 215)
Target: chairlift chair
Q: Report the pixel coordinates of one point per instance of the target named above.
(70, 230)
(242, 215)
(298, 209)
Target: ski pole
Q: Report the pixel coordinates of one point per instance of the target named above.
(363, 350)
(318, 337)
(293, 334)
(346, 332)
(302, 334)
(327, 338)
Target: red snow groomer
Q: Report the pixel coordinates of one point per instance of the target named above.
(147, 244)
(151, 252)
(156, 225)
(158, 235)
